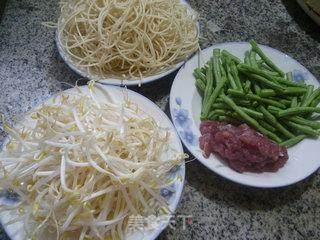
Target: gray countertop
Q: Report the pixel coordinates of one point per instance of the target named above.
(31, 71)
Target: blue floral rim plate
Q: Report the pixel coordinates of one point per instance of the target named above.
(185, 108)
(171, 193)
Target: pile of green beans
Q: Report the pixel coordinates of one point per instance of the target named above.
(259, 93)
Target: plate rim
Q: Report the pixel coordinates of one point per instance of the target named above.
(205, 163)
(182, 169)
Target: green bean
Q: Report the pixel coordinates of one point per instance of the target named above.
(200, 85)
(265, 74)
(265, 100)
(244, 103)
(226, 54)
(313, 96)
(254, 97)
(267, 60)
(253, 60)
(222, 71)
(247, 86)
(219, 112)
(293, 141)
(273, 121)
(247, 59)
(226, 118)
(229, 75)
(219, 106)
(198, 74)
(216, 68)
(306, 96)
(206, 106)
(294, 91)
(209, 85)
(289, 76)
(266, 82)
(286, 102)
(294, 102)
(250, 120)
(266, 125)
(303, 121)
(257, 89)
(298, 111)
(234, 72)
(267, 93)
(302, 128)
(288, 83)
(211, 116)
(252, 113)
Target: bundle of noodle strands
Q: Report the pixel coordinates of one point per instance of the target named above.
(127, 39)
(82, 167)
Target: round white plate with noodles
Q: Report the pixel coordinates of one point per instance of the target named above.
(84, 72)
(185, 109)
(153, 226)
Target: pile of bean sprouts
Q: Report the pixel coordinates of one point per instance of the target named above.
(127, 39)
(82, 167)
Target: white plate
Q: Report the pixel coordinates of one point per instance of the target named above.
(185, 108)
(15, 231)
(113, 81)
(309, 11)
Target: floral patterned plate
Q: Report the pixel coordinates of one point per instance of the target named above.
(185, 108)
(149, 229)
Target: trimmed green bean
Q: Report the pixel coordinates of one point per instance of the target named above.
(294, 91)
(267, 60)
(257, 89)
(288, 83)
(253, 60)
(235, 74)
(289, 76)
(302, 128)
(254, 97)
(265, 100)
(266, 125)
(267, 93)
(293, 141)
(226, 54)
(286, 102)
(209, 85)
(306, 96)
(303, 121)
(252, 113)
(199, 74)
(297, 111)
(200, 85)
(247, 59)
(313, 96)
(250, 120)
(229, 75)
(216, 67)
(294, 102)
(273, 121)
(265, 81)
(315, 102)
(213, 96)
(219, 106)
(247, 86)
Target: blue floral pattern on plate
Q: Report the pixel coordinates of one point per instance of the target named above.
(183, 123)
(299, 76)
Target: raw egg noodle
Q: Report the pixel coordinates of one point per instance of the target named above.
(82, 167)
(127, 39)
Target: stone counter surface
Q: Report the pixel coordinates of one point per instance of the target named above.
(31, 71)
